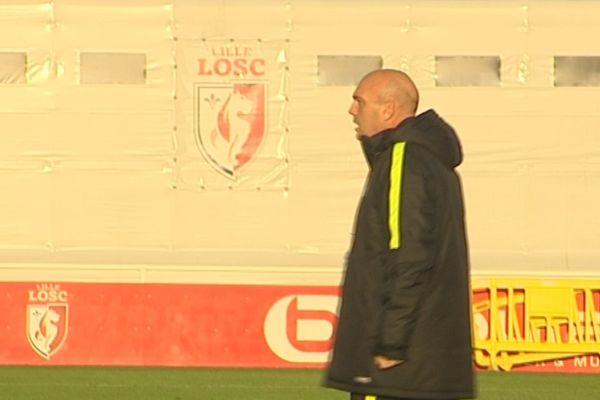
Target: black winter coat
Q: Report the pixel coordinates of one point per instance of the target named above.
(406, 292)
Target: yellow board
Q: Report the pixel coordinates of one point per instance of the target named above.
(519, 321)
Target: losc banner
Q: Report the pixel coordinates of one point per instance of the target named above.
(232, 110)
(168, 325)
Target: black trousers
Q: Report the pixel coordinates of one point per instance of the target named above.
(354, 396)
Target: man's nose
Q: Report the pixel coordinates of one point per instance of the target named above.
(352, 109)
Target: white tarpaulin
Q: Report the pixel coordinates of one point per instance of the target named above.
(188, 135)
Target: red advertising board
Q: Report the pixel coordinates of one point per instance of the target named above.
(167, 325)
(182, 325)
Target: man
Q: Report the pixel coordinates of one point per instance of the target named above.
(404, 328)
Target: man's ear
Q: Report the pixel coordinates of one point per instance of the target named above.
(388, 111)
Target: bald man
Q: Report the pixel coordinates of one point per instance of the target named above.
(404, 326)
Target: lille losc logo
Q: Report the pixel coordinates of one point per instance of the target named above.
(300, 328)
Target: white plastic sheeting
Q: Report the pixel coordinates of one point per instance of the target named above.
(101, 168)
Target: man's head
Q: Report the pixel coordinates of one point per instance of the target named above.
(382, 100)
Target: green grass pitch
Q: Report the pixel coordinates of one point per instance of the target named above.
(95, 383)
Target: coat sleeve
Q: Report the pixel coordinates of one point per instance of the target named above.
(410, 205)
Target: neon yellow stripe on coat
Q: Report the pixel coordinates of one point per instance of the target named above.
(395, 195)
(370, 397)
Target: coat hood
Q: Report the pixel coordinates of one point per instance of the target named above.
(428, 130)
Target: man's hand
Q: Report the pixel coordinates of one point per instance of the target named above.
(382, 362)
